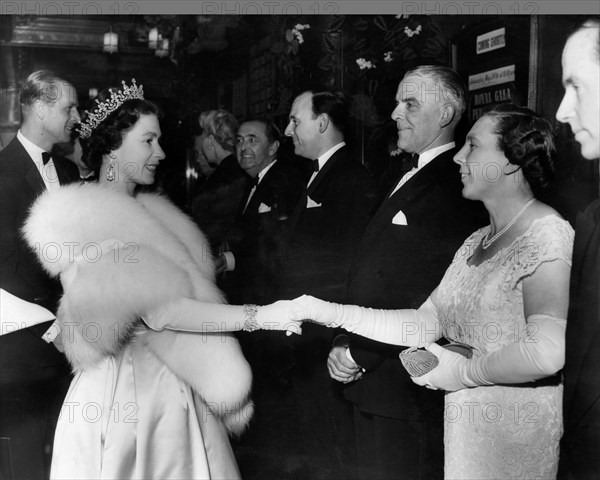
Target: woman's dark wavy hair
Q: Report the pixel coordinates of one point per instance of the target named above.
(108, 135)
(527, 140)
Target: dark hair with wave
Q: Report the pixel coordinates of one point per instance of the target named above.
(108, 135)
(527, 140)
(334, 103)
(271, 130)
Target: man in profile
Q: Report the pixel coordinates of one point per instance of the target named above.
(402, 256)
(580, 107)
(34, 375)
(324, 229)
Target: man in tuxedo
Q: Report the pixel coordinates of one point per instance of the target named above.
(256, 242)
(34, 376)
(402, 256)
(323, 232)
(580, 107)
(335, 205)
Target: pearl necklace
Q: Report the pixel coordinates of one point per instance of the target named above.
(486, 242)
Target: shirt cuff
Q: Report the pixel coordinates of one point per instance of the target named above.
(229, 261)
(349, 355)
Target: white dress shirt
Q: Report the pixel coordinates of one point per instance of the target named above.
(48, 171)
(261, 175)
(424, 158)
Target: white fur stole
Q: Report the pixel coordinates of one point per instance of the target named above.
(120, 258)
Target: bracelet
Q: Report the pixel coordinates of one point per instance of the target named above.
(250, 323)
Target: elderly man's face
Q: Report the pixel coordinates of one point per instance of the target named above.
(419, 112)
(580, 106)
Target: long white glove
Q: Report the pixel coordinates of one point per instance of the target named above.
(190, 315)
(540, 354)
(411, 328)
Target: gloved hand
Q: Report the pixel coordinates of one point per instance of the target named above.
(282, 315)
(319, 311)
(539, 354)
(449, 375)
(410, 328)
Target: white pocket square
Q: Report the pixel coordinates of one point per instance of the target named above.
(399, 219)
(310, 203)
(263, 208)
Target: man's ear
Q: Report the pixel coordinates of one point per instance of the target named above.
(323, 122)
(273, 148)
(39, 108)
(448, 113)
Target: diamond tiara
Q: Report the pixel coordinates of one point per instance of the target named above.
(105, 108)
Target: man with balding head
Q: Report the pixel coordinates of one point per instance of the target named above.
(34, 375)
(324, 230)
(580, 107)
(337, 201)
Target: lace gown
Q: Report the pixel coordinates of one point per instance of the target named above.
(500, 432)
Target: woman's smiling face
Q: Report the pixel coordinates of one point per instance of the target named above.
(140, 153)
(482, 164)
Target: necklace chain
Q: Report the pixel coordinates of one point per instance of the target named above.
(488, 241)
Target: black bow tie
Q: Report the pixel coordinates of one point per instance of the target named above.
(315, 165)
(414, 160)
(46, 156)
(254, 181)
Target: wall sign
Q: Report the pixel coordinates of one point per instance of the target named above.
(492, 77)
(493, 57)
(491, 41)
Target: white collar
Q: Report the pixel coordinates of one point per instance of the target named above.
(264, 171)
(32, 149)
(428, 155)
(329, 153)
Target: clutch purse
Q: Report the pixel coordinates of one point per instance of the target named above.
(418, 361)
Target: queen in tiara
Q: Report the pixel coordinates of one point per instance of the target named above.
(159, 382)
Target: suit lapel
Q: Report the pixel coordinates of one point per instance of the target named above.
(244, 211)
(418, 185)
(313, 187)
(25, 163)
(329, 165)
(262, 192)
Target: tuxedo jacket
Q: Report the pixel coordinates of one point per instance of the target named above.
(325, 228)
(405, 250)
(257, 241)
(215, 206)
(581, 440)
(20, 272)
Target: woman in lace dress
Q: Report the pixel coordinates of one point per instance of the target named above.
(505, 295)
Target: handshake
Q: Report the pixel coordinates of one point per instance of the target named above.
(289, 315)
